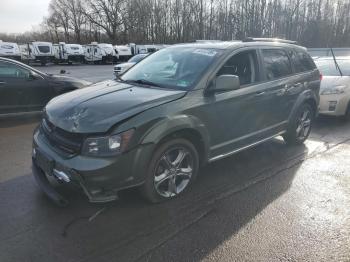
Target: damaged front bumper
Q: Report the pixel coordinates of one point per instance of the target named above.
(99, 178)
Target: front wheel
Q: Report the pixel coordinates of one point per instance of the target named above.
(300, 125)
(172, 169)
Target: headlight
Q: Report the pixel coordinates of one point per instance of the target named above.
(333, 90)
(107, 145)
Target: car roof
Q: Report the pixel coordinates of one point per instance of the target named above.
(237, 44)
(20, 64)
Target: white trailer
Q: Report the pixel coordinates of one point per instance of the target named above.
(41, 52)
(123, 52)
(68, 53)
(100, 53)
(145, 49)
(10, 50)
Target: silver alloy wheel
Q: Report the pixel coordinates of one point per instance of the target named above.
(173, 172)
(303, 124)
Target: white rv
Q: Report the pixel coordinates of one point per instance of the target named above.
(10, 50)
(37, 52)
(68, 53)
(123, 52)
(145, 49)
(100, 53)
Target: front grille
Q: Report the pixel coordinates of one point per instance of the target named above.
(66, 141)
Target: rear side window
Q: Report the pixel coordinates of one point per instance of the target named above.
(302, 61)
(276, 63)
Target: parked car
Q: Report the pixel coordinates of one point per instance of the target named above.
(121, 68)
(335, 86)
(154, 128)
(25, 89)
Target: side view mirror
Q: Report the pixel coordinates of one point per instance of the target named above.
(33, 76)
(225, 83)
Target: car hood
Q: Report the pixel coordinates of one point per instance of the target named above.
(97, 108)
(333, 81)
(68, 81)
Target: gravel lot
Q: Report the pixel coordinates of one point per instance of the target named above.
(270, 203)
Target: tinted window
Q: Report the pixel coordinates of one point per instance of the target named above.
(276, 63)
(243, 65)
(302, 61)
(8, 70)
(327, 67)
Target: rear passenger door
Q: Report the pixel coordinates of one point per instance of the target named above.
(279, 79)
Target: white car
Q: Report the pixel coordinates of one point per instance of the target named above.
(335, 86)
(121, 68)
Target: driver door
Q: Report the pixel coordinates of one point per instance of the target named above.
(11, 89)
(22, 90)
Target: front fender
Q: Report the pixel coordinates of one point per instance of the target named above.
(307, 95)
(173, 124)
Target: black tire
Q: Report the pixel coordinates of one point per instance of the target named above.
(156, 194)
(295, 133)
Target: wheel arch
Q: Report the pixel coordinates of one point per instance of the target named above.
(308, 96)
(187, 127)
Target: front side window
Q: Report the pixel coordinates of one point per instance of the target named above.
(176, 68)
(302, 61)
(277, 64)
(244, 65)
(8, 70)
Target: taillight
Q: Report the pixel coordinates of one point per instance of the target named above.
(321, 76)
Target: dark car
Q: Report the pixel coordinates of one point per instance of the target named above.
(173, 112)
(25, 89)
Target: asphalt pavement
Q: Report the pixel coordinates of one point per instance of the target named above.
(269, 203)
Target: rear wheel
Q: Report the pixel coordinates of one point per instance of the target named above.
(300, 125)
(172, 169)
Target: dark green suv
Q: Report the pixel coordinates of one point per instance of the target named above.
(176, 110)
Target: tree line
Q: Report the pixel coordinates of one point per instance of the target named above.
(313, 23)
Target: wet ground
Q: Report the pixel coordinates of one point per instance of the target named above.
(269, 203)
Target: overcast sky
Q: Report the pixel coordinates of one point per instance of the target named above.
(18, 16)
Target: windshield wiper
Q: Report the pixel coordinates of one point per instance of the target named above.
(143, 82)
(336, 63)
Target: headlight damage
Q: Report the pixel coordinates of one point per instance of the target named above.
(107, 145)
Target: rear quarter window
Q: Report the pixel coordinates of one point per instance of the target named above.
(302, 61)
(276, 63)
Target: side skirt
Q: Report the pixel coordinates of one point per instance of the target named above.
(245, 147)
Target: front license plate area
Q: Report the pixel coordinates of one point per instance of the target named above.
(45, 162)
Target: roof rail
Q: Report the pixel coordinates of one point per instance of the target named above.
(254, 39)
